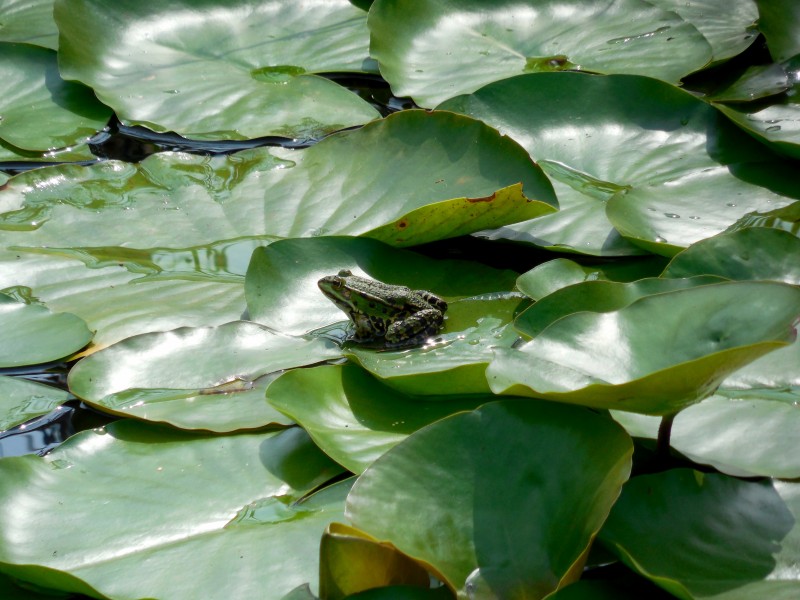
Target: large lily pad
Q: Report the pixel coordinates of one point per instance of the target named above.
(195, 378)
(21, 400)
(350, 183)
(40, 111)
(117, 302)
(749, 438)
(655, 356)
(29, 21)
(352, 416)
(558, 273)
(718, 537)
(194, 516)
(751, 253)
(455, 361)
(31, 334)
(728, 25)
(281, 283)
(597, 296)
(434, 50)
(779, 21)
(435, 496)
(777, 124)
(231, 71)
(649, 157)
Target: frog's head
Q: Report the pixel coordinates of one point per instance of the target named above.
(360, 296)
(336, 289)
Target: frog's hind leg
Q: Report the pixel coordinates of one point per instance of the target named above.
(415, 327)
(433, 300)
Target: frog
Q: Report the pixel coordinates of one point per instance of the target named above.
(394, 316)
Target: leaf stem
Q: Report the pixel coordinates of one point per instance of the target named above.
(664, 432)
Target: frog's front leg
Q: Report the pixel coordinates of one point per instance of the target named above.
(423, 323)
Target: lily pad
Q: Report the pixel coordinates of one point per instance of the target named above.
(780, 370)
(614, 174)
(713, 541)
(117, 302)
(656, 356)
(233, 71)
(598, 297)
(195, 378)
(749, 438)
(22, 400)
(281, 283)
(31, 334)
(39, 110)
(751, 253)
(352, 416)
(779, 21)
(444, 481)
(351, 183)
(194, 515)
(435, 50)
(777, 125)
(558, 273)
(786, 219)
(30, 22)
(728, 25)
(761, 81)
(454, 362)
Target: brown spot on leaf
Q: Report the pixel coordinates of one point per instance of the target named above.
(402, 224)
(486, 199)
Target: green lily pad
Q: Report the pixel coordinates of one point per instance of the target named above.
(786, 218)
(233, 71)
(281, 283)
(777, 125)
(195, 378)
(614, 174)
(718, 537)
(39, 110)
(22, 400)
(193, 515)
(728, 25)
(30, 22)
(751, 253)
(352, 416)
(749, 435)
(445, 480)
(598, 297)
(558, 273)
(352, 183)
(117, 302)
(779, 21)
(778, 370)
(31, 334)
(657, 355)
(760, 81)
(454, 362)
(435, 50)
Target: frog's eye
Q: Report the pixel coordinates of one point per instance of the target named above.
(345, 273)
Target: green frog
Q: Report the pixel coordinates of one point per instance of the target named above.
(393, 315)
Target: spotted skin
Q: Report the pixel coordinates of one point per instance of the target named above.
(391, 315)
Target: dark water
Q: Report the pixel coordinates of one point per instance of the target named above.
(41, 434)
(133, 144)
